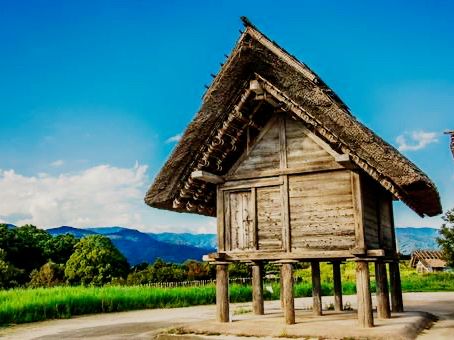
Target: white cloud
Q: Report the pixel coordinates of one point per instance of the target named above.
(417, 140)
(174, 139)
(57, 163)
(101, 195)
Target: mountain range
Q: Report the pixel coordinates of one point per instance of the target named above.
(140, 247)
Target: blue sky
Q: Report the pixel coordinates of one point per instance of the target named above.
(92, 93)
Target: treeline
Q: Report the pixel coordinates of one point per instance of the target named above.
(31, 257)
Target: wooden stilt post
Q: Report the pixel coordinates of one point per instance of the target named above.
(257, 288)
(222, 292)
(382, 294)
(281, 290)
(397, 305)
(316, 288)
(338, 306)
(365, 316)
(287, 292)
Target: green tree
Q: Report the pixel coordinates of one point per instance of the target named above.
(446, 238)
(49, 275)
(59, 248)
(95, 261)
(28, 251)
(9, 275)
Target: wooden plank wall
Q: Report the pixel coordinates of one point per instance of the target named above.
(314, 208)
(321, 211)
(269, 218)
(264, 155)
(370, 212)
(302, 152)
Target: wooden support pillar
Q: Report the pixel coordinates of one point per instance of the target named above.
(397, 305)
(222, 292)
(382, 294)
(257, 288)
(316, 288)
(338, 306)
(287, 292)
(365, 316)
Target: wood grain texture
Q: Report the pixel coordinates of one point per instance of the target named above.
(365, 316)
(382, 292)
(222, 293)
(316, 288)
(220, 220)
(304, 150)
(257, 289)
(241, 220)
(264, 155)
(321, 211)
(269, 218)
(287, 293)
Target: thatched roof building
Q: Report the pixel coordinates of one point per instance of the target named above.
(213, 140)
(427, 260)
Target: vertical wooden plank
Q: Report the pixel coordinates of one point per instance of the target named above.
(286, 232)
(287, 294)
(222, 292)
(382, 293)
(316, 288)
(365, 316)
(282, 143)
(358, 207)
(257, 288)
(220, 218)
(227, 219)
(338, 305)
(255, 242)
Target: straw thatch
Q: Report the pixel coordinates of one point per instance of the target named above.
(310, 99)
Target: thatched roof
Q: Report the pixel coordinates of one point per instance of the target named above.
(230, 106)
(434, 258)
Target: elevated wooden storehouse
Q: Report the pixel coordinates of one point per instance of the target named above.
(291, 176)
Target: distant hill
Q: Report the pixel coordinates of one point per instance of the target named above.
(140, 247)
(207, 241)
(410, 239)
(79, 233)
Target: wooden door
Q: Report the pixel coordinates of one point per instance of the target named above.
(241, 220)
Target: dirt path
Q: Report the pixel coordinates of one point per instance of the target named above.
(146, 324)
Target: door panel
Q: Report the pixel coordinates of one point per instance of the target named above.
(241, 220)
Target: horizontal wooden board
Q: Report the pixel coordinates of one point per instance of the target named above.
(269, 218)
(321, 211)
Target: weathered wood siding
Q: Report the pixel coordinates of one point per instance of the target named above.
(269, 218)
(264, 155)
(377, 212)
(302, 151)
(321, 211)
(370, 195)
(287, 193)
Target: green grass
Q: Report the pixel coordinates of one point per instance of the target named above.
(28, 305)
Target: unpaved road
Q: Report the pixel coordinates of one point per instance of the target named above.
(146, 324)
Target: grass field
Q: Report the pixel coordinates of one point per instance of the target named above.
(28, 305)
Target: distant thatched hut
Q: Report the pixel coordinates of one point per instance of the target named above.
(427, 261)
(291, 176)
